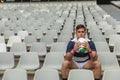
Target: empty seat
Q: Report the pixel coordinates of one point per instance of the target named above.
(102, 46)
(53, 60)
(2, 39)
(22, 34)
(64, 38)
(59, 47)
(52, 33)
(29, 40)
(38, 34)
(113, 39)
(108, 61)
(48, 40)
(80, 74)
(7, 34)
(29, 61)
(116, 49)
(3, 47)
(6, 60)
(46, 74)
(13, 39)
(12, 74)
(18, 48)
(113, 74)
(40, 48)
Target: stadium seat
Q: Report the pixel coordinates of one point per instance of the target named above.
(6, 60)
(111, 74)
(53, 60)
(18, 48)
(108, 61)
(28, 61)
(12, 74)
(46, 74)
(80, 74)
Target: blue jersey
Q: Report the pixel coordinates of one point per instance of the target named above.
(79, 57)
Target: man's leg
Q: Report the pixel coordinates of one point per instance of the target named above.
(66, 66)
(96, 65)
(97, 69)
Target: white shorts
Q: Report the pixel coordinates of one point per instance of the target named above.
(80, 65)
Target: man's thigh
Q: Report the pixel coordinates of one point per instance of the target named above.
(88, 65)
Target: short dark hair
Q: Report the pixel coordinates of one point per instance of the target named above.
(80, 26)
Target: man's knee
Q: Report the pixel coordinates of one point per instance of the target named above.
(97, 64)
(65, 64)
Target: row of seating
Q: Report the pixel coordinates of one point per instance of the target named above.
(31, 61)
(44, 74)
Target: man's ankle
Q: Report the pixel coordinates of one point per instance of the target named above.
(64, 79)
(97, 79)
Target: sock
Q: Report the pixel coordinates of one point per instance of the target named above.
(64, 79)
(97, 79)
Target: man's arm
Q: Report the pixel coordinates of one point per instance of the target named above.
(70, 54)
(92, 53)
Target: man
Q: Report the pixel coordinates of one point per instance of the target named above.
(77, 60)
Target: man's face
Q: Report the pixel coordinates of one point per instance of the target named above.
(80, 33)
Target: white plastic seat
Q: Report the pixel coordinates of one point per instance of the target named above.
(7, 34)
(108, 61)
(40, 48)
(116, 49)
(18, 48)
(12, 74)
(109, 32)
(113, 39)
(113, 74)
(29, 61)
(29, 40)
(64, 38)
(59, 47)
(52, 33)
(2, 39)
(22, 34)
(3, 47)
(100, 38)
(38, 34)
(80, 74)
(6, 60)
(101, 46)
(48, 40)
(13, 39)
(46, 74)
(53, 60)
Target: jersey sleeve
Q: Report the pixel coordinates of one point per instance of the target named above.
(92, 45)
(70, 46)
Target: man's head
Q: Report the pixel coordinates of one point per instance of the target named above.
(80, 31)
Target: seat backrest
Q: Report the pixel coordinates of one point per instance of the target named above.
(22, 34)
(40, 48)
(2, 39)
(80, 74)
(108, 61)
(12, 74)
(18, 48)
(6, 60)
(13, 39)
(3, 47)
(29, 61)
(46, 74)
(53, 60)
(111, 74)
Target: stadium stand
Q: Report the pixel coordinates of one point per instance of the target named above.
(42, 29)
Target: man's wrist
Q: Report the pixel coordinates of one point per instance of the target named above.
(90, 51)
(72, 51)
